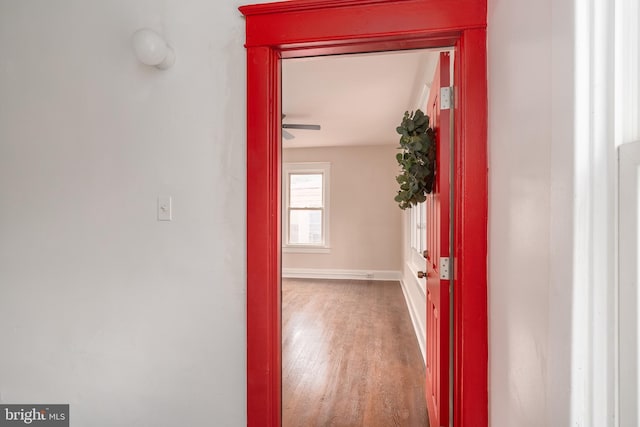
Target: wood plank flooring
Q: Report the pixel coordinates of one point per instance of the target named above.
(350, 356)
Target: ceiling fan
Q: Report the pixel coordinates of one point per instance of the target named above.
(288, 135)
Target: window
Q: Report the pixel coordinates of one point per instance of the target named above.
(418, 228)
(416, 223)
(305, 217)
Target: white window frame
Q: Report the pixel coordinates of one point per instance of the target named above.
(288, 169)
(418, 234)
(419, 228)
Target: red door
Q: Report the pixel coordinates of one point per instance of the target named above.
(438, 247)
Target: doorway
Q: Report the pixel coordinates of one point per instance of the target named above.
(305, 28)
(350, 318)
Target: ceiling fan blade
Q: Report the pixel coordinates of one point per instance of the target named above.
(286, 135)
(299, 126)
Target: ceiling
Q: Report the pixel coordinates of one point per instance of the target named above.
(356, 99)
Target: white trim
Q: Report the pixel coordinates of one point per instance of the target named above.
(594, 252)
(418, 328)
(421, 284)
(319, 273)
(627, 64)
(292, 249)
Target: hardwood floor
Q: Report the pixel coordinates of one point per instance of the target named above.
(350, 356)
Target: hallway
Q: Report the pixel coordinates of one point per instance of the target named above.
(350, 357)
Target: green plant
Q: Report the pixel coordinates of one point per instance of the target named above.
(417, 159)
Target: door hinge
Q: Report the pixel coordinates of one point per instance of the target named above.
(446, 97)
(445, 268)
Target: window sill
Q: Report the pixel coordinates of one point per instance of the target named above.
(306, 249)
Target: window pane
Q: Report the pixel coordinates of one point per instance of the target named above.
(413, 227)
(305, 227)
(423, 227)
(305, 190)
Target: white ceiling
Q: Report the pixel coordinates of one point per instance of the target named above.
(356, 99)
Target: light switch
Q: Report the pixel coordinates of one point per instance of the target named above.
(164, 208)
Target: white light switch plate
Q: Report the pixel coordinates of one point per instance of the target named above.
(164, 208)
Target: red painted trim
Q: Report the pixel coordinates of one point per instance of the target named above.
(264, 363)
(302, 5)
(370, 45)
(300, 28)
(471, 213)
(294, 23)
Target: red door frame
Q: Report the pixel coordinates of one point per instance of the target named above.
(299, 28)
(438, 222)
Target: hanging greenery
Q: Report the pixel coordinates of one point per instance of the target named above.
(417, 159)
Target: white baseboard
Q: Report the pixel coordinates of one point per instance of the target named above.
(315, 273)
(418, 328)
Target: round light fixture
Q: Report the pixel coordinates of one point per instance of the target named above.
(151, 49)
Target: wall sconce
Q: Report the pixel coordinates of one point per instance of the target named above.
(151, 49)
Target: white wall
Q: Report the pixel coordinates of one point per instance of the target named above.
(133, 322)
(530, 50)
(94, 291)
(413, 288)
(365, 222)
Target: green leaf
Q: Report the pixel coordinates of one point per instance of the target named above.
(416, 159)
